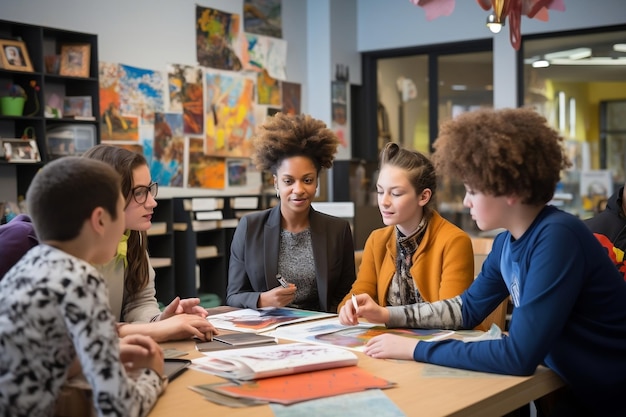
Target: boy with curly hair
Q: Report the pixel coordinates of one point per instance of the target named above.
(568, 296)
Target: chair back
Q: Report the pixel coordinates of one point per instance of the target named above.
(482, 247)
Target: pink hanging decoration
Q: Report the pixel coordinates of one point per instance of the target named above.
(511, 9)
(435, 8)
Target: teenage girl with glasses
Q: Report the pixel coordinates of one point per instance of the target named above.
(129, 275)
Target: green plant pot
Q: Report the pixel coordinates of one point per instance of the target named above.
(12, 106)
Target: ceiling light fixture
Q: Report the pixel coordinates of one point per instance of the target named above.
(494, 23)
(576, 53)
(541, 63)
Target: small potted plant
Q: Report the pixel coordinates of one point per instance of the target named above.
(12, 103)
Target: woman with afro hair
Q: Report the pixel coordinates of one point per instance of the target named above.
(568, 296)
(312, 251)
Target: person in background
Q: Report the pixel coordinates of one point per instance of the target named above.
(54, 305)
(419, 256)
(17, 237)
(609, 227)
(568, 295)
(129, 275)
(312, 251)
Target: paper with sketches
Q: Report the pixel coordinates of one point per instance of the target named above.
(273, 360)
(263, 319)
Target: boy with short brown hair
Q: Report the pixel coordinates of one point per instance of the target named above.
(54, 304)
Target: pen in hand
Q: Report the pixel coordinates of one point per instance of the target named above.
(355, 304)
(282, 281)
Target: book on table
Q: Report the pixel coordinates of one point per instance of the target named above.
(235, 341)
(263, 319)
(273, 360)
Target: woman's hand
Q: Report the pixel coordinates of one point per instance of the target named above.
(138, 351)
(184, 306)
(368, 309)
(177, 327)
(181, 326)
(390, 346)
(278, 296)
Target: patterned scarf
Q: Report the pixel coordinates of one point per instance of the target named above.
(402, 290)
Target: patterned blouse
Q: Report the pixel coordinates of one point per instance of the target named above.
(297, 266)
(53, 308)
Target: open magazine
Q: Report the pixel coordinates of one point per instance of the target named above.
(273, 360)
(263, 319)
(331, 332)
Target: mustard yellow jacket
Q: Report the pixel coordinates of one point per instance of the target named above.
(443, 265)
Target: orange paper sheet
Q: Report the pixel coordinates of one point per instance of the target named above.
(291, 389)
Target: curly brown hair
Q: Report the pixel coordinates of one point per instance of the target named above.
(502, 152)
(285, 136)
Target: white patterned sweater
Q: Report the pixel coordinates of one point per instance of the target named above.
(53, 307)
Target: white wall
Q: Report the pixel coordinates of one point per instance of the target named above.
(152, 33)
(320, 33)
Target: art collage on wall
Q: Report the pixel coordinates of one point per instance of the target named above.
(194, 124)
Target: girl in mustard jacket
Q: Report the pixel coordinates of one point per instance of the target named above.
(419, 256)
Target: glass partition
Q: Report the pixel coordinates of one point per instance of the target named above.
(577, 80)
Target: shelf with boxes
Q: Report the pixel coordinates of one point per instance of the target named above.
(161, 250)
(44, 66)
(204, 227)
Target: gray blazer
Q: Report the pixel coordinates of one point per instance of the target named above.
(254, 261)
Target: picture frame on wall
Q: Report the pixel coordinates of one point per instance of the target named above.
(21, 150)
(75, 59)
(14, 56)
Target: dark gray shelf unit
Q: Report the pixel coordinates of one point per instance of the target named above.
(162, 246)
(214, 269)
(41, 41)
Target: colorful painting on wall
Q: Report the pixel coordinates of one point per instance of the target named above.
(167, 159)
(263, 17)
(216, 39)
(204, 171)
(141, 92)
(113, 125)
(229, 120)
(186, 95)
(237, 169)
(291, 93)
(265, 53)
(268, 90)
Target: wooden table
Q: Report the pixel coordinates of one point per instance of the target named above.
(461, 393)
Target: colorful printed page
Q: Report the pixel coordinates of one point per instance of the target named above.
(331, 332)
(292, 389)
(263, 319)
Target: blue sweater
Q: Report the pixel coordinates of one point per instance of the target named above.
(570, 312)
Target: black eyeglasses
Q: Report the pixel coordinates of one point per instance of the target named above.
(140, 193)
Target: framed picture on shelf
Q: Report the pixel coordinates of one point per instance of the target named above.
(21, 150)
(78, 107)
(14, 56)
(75, 60)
